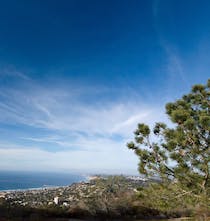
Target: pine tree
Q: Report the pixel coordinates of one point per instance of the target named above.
(180, 153)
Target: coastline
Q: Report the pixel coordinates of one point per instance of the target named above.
(83, 178)
(97, 199)
(31, 189)
(100, 198)
(87, 178)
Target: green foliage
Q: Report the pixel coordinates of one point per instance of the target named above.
(181, 153)
(173, 200)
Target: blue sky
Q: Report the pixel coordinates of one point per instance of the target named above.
(77, 76)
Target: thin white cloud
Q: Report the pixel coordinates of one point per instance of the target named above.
(39, 160)
(131, 121)
(87, 136)
(58, 112)
(10, 71)
(174, 64)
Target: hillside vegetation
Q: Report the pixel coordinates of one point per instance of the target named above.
(179, 156)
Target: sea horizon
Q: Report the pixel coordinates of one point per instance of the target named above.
(25, 180)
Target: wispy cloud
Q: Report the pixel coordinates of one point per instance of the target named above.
(174, 63)
(10, 71)
(61, 110)
(39, 160)
(93, 134)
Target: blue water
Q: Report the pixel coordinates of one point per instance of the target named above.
(29, 180)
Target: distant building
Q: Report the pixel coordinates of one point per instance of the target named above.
(93, 178)
(65, 204)
(136, 178)
(2, 195)
(56, 200)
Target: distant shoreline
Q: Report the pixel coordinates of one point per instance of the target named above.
(39, 188)
(32, 188)
(21, 182)
(102, 198)
(86, 179)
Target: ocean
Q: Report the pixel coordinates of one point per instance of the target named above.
(30, 180)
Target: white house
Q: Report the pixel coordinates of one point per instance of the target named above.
(56, 200)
